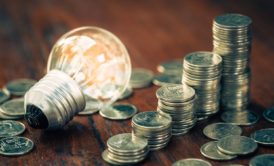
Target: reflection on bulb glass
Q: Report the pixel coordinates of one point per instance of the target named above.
(86, 61)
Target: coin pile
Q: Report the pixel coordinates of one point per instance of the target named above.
(232, 40)
(140, 78)
(125, 149)
(202, 71)
(154, 127)
(12, 109)
(178, 101)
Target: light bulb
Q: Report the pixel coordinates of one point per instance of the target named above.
(85, 61)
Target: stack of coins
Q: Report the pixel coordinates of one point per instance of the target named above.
(154, 127)
(202, 71)
(12, 109)
(178, 102)
(232, 40)
(125, 149)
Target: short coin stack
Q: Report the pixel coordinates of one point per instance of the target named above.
(12, 109)
(125, 149)
(202, 71)
(154, 127)
(232, 41)
(178, 101)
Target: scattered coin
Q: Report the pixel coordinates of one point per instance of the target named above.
(262, 160)
(118, 111)
(171, 67)
(15, 146)
(4, 96)
(127, 93)
(269, 114)
(242, 118)
(217, 131)
(14, 107)
(164, 79)
(191, 162)
(237, 145)
(92, 106)
(10, 128)
(264, 136)
(20, 86)
(141, 78)
(211, 151)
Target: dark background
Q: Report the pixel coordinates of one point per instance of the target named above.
(153, 31)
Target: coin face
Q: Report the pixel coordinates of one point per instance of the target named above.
(13, 107)
(191, 162)
(4, 96)
(140, 78)
(19, 87)
(126, 143)
(264, 136)
(175, 93)
(151, 120)
(171, 66)
(118, 111)
(269, 114)
(237, 145)
(203, 59)
(211, 151)
(164, 79)
(262, 160)
(217, 131)
(10, 128)
(233, 20)
(92, 106)
(243, 118)
(14, 146)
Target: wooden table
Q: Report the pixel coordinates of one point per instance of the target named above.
(153, 31)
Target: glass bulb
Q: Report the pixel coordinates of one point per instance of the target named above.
(85, 61)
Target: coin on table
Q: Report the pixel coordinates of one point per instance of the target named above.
(164, 79)
(10, 128)
(14, 107)
(242, 118)
(141, 78)
(210, 150)
(20, 86)
(118, 111)
(217, 131)
(4, 96)
(262, 160)
(92, 106)
(14, 146)
(236, 145)
(172, 66)
(127, 93)
(191, 162)
(269, 114)
(264, 136)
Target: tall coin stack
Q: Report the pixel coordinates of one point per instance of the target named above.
(202, 71)
(178, 101)
(154, 127)
(232, 40)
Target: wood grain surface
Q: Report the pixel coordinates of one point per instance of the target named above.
(153, 31)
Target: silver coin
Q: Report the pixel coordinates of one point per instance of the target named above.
(233, 20)
(172, 66)
(264, 136)
(92, 106)
(262, 160)
(20, 86)
(14, 107)
(243, 118)
(118, 111)
(7, 117)
(15, 146)
(237, 145)
(105, 156)
(127, 93)
(164, 79)
(269, 114)
(10, 128)
(217, 131)
(191, 162)
(4, 96)
(203, 59)
(140, 78)
(210, 150)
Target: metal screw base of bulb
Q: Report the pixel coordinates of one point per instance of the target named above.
(53, 101)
